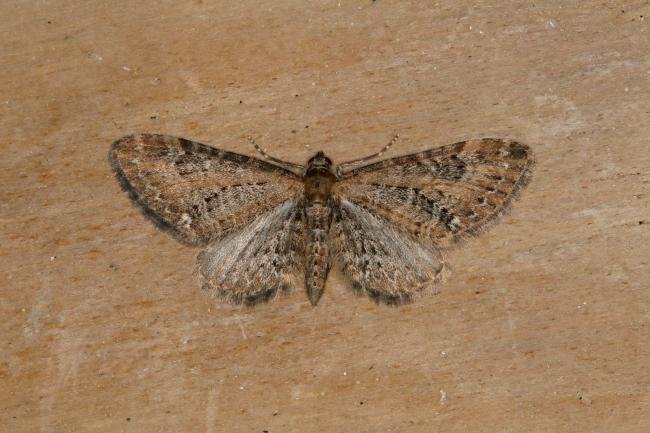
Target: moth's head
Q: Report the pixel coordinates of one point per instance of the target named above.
(319, 163)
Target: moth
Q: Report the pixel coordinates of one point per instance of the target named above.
(263, 222)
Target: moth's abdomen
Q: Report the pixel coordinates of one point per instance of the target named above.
(318, 221)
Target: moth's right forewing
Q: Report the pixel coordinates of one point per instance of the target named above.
(197, 192)
(443, 194)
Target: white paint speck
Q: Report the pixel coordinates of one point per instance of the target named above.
(241, 327)
(95, 57)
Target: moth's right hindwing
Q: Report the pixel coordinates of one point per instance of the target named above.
(386, 265)
(197, 192)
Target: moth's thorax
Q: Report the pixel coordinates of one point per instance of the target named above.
(319, 178)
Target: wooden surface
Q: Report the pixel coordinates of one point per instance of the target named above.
(543, 326)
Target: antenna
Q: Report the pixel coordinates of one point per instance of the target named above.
(342, 168)
(294, 168)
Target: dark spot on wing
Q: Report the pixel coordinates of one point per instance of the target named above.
(518, 150)
(450, 169)
(259, 297)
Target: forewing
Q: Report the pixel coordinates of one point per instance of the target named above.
(254, 264)
(386, 265)
(445, 193)
(197, 192)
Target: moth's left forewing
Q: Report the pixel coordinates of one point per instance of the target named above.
(197, 192)
(442, 194)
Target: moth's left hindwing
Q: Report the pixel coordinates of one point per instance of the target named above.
(255, 264)
(197, 192)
